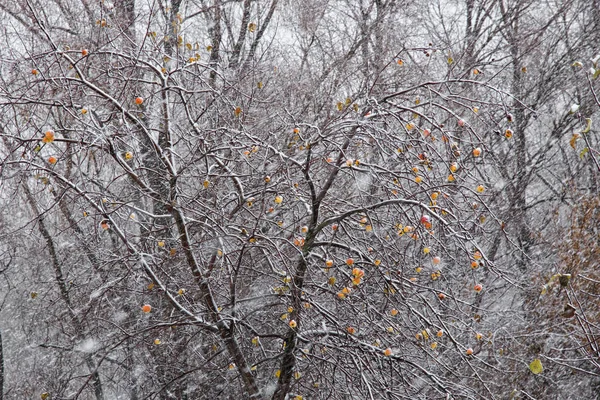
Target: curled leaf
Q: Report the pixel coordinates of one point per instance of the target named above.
(588, 126)
(573, 140)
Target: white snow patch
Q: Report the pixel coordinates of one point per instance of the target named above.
(269, 389)
(119, 316)
(88, 345)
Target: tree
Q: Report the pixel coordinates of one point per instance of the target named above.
(248, 199)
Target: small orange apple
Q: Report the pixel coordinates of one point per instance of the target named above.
(476, 152)
(84, 52)
(329, 263)
(478, 287)
(139, 100)
(469, 351)
(52, 160)
(387, 352)
(48, 136)
(351, 330)
(441, 296)
(146, 308)
(350, 262)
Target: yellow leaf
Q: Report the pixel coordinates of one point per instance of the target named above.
(583, 152)
(252, 27)
(588, 125)
(536, 366)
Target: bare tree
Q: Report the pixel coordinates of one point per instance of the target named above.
(342, 199)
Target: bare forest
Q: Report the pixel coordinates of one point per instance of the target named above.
(298, 200)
